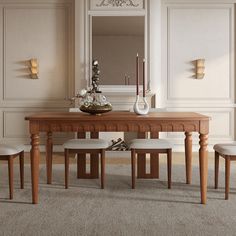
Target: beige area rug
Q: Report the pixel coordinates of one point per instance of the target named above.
(85, 209)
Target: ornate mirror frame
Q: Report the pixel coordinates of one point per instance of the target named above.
(115, 8)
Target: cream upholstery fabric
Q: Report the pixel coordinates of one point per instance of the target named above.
(150, 144)
(226, 148)
(86, 144)
(7, 149)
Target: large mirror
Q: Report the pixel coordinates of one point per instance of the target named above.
(115, 42)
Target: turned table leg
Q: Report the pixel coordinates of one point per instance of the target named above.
(188, 156)
(34, 157)
(203, 165)
(49, 147)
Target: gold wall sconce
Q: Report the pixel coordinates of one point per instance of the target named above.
(200, 68)
(34, 68)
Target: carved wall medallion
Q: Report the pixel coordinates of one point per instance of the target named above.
(117, 3)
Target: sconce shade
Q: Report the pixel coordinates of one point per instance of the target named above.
(200, 62)
(34, 62)
(34, 68)
(200, 68)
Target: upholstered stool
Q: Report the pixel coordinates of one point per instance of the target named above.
(228, 152)
(9, 152)
(143, 146)
(78, 146)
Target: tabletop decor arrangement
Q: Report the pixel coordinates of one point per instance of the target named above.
(92, 100)
(145, 109)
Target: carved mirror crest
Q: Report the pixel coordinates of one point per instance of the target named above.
(112, 4)
(117, 3)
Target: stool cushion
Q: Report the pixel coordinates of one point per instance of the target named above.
(86, 144)
(8, 149)
(226, 148)
(150, 144)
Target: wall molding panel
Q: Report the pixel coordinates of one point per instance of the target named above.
(1, 53)
(192, 30)
(180, 74)
(116, 5)
(15, 128)
(55, 54)
(218, 116)
(221, 129)
(42, 30)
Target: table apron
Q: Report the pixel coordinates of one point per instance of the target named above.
(119, 126)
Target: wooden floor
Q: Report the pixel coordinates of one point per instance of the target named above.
(178, 158)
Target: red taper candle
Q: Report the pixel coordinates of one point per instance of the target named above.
(137, 75)
(144, 92)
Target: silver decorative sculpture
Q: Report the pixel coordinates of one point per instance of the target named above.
(93, 101)
(95, 77)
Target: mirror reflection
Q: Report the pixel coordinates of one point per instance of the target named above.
(116, 40)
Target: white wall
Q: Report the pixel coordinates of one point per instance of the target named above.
(155, 51)
(180, 32)
(42, 30)
(190, 31)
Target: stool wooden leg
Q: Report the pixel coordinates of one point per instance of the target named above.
(169, 165)
(227, 175)
(133, 167)
(49, 151)
(22, 170)
(216, 169)
(10, 173)
(66, 167)
(102, 167)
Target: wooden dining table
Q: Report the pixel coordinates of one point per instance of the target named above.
(155, 122)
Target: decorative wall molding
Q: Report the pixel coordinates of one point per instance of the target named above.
(15, 128)
(9, 124)
(13, 106)
(217, 132)
(182, 98)
(2, 55)
(67, 8)
(218, 101)
(117, 3)
(202, 2)
(14, 2)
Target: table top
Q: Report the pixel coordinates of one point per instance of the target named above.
(116, 115)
